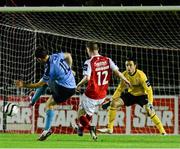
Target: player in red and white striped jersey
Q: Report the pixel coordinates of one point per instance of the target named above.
(97, 73)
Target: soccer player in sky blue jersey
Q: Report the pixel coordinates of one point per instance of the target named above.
(59, 76)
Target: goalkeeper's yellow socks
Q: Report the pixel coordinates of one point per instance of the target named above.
(158, 124)
(111, 117)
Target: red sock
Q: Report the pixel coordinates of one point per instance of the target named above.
(84, 121)
(89, 117)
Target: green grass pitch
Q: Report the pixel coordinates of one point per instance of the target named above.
(74, 141)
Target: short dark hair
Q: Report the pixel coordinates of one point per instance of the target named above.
(131, 58)
(40, 52)
(92, 45)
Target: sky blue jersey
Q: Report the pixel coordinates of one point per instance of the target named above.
(57, 70)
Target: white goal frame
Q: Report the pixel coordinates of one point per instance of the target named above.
(61, 9)
(92, 9)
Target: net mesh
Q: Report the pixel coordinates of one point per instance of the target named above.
(145, 29)
(152, 36)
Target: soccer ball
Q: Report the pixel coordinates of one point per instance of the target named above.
(11, 109)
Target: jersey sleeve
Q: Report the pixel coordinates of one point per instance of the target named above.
(113, 66)
(147, 87)
(87, 68)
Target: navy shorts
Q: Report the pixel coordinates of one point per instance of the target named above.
(61, 93)
(130, 99)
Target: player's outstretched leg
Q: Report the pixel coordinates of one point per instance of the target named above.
(92, 132)
(45, 134)
(34, 96)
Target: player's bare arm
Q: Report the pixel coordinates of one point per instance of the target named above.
(68, 58)
(82, 82)
(120, 75)
(22, 84)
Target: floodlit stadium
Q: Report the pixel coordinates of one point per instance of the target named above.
(150, 33)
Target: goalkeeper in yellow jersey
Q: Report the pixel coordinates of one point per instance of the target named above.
(139, 93)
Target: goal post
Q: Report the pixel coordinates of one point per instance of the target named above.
(150, 33)
(89, 9)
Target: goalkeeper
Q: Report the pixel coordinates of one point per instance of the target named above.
(139, 93)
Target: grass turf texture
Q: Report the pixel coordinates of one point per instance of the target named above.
(74, 141)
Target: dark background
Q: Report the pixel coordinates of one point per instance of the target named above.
(87, 2)
(160, 65)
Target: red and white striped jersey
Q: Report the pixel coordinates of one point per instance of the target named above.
(99, 69)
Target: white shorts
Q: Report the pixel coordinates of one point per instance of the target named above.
(89, 105)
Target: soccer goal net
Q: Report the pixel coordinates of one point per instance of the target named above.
(151, 34)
